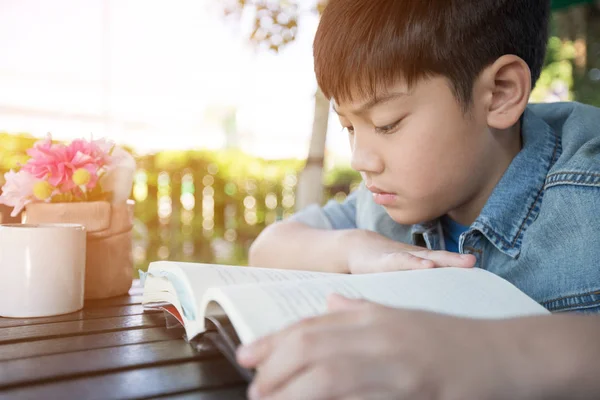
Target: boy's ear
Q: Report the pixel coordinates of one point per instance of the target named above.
(508, 84)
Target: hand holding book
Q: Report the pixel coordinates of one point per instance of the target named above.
(365, 350)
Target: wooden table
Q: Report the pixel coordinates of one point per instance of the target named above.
(111, 349)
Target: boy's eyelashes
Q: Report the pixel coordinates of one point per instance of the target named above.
(387, 128)
(379, 129)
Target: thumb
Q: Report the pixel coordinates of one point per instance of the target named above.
(337, 302)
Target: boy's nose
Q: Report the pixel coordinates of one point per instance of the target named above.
(365, 157)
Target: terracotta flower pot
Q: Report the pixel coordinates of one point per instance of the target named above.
(109, 255)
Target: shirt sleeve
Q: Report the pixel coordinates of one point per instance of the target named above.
(333, 215)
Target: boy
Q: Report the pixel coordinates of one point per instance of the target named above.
(458, 169)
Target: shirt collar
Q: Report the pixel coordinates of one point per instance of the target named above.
(515, 201)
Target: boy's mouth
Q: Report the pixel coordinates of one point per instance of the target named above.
(377, 190)
(382, 197)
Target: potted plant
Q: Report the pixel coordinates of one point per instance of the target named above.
(87, 182)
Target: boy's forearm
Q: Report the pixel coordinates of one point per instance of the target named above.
(559, 357)
(293, 245)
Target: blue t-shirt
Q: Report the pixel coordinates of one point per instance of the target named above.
(452, 231)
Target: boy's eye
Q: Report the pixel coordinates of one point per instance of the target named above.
(387, 128)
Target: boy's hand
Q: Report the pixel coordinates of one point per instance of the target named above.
(368, 351)
(370, 252)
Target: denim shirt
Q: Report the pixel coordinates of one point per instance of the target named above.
(540, 228)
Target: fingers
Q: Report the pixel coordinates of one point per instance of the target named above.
(446, 259)
(337, 302)
(283, 357)
(301, 350)
(397, 262)
(334, 378)
(417, 259)
(251, 355)
(256, 353)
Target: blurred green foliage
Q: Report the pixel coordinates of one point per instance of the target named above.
(572, 65)
(244, 194)
(556, 79)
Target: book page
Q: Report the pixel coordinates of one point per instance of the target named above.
(262, 309)
(191, 280)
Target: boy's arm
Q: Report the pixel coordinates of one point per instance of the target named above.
(313, 239)
(561, 358)
(327, 239)
(294, 245)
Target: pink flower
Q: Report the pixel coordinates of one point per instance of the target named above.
(57, 172)
(47, 161)
(98, 151)
(17, 192)
(56, 162)
(89, 155)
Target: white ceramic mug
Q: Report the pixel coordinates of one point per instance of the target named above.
(42, 269)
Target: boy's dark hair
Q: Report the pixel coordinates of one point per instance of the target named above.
(365, 45)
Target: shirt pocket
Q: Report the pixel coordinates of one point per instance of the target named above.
(588, 303)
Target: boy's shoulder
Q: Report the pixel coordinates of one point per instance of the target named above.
(577, 127)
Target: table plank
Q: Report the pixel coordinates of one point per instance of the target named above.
(87, 342)
(114, 301)
(59, 366)
(237, 393)
(113, 348)
(92, 313)
(18, 334)
(203, 377)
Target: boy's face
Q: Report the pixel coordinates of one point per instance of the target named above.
(418, 151)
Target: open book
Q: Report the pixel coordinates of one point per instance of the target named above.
(245, 303)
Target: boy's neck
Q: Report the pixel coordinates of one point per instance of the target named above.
(509, 145)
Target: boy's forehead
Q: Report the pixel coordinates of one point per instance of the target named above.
(361, 100)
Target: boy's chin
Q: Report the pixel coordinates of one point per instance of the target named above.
(409, 216)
